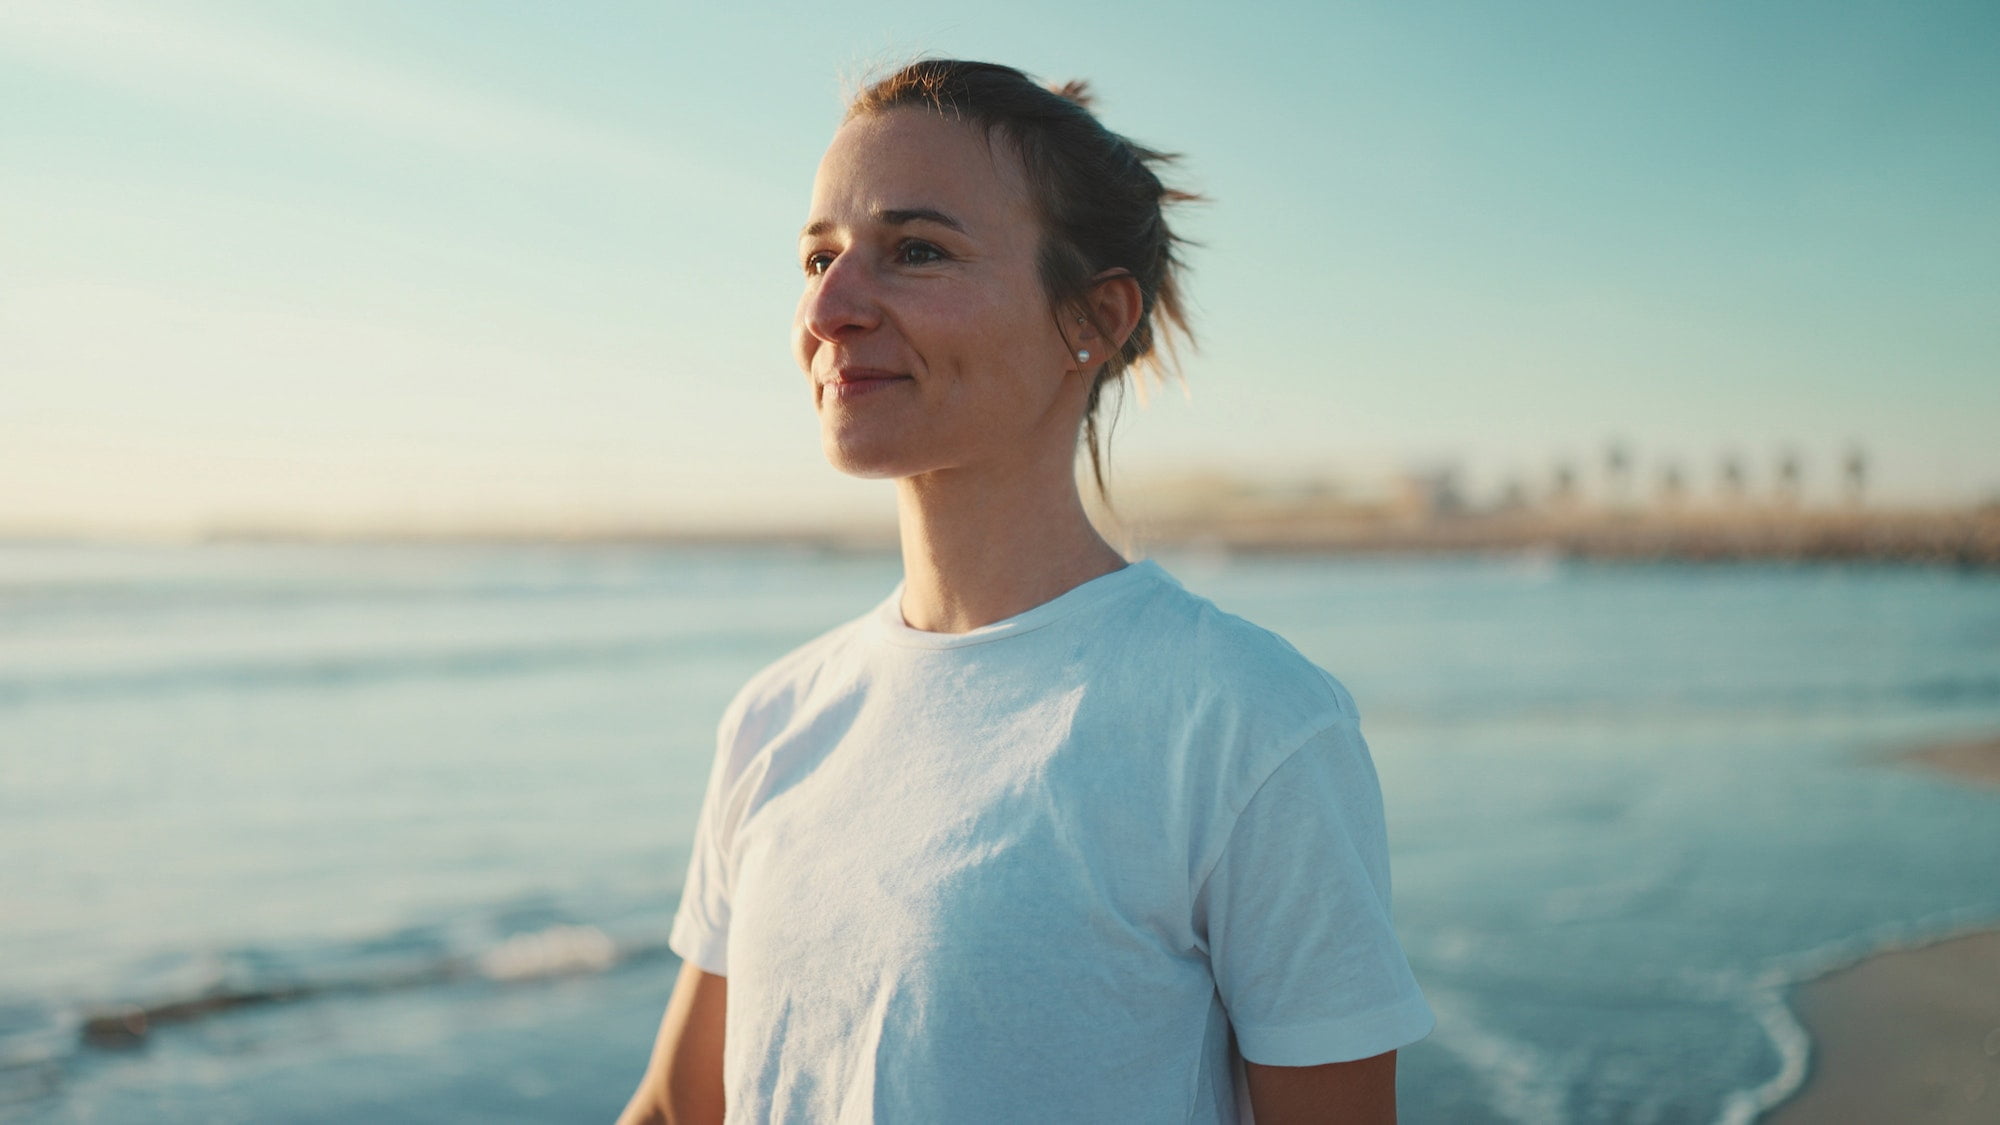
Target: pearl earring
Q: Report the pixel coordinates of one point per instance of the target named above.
(1083, 357)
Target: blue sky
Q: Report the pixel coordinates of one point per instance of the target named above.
(385, 263)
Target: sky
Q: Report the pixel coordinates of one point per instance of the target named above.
(389, 265)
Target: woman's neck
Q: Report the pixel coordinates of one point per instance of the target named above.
(983, 547)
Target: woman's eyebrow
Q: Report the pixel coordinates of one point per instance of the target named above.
(894, 217)
(903, 217)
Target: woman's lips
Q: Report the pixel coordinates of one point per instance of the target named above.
(846, 386)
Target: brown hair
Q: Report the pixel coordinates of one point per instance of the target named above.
(1100, 201)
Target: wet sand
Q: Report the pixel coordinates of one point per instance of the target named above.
(1976, 761)
(1909, 1035)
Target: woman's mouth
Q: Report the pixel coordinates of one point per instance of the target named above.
(848, 385)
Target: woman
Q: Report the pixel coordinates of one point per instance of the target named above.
(1043, 838)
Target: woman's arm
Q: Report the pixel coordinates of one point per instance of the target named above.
(683, 1083)
(1360, 1091)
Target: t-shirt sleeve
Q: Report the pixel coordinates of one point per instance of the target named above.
(700, 933)
(1296, 915)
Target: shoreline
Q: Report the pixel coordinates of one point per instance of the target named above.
(1908, 1034)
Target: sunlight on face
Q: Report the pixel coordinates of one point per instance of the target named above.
(924, 327)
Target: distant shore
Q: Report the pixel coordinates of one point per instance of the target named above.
(1259, 523)
(1909, 1035)
(1967, 538)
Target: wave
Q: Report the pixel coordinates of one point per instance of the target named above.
(148, 585)
(1603, 701)
(307, 670)
(559, 950)
(343, 670)
(41, 1038)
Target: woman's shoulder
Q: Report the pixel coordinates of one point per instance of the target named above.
(769, 697)
(1222, 659)
(1227, 699)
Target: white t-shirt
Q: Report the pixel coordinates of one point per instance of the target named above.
(1041, 871)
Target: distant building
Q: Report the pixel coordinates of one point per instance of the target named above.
(1431, 493)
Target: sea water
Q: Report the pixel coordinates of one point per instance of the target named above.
(393, 833)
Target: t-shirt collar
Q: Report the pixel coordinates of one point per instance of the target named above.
(889, 624)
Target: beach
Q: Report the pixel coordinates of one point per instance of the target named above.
(1909, 1035)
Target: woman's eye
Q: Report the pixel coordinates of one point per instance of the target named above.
(817, 263)
(916, 253)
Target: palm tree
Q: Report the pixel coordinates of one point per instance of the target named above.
(1562, 489)
(1735, 479)
(1617, 470)
(1791, 476)
(1854, 471)
(1673, 485)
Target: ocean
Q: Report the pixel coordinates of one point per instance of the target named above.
(311, 833)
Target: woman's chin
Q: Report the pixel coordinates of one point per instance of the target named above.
(867, 460)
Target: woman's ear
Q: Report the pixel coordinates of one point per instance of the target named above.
(1111, 309)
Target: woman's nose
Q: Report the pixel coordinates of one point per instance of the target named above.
(842, 301)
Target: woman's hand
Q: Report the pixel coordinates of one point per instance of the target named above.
(683, 1082)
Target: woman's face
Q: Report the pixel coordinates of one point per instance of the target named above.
(924, 327)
